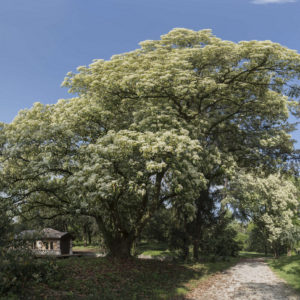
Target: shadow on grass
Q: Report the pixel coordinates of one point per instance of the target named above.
(110, 279)
(289, 265)
(288, 268)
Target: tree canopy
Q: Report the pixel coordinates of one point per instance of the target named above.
(153, 126)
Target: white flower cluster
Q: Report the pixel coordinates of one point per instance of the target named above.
(151, 126)
(270, 202)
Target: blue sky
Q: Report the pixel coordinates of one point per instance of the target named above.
(43, 40)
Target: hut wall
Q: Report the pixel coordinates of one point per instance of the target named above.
(71, 246)
(65, 245)
(58, 245)
(41, 247)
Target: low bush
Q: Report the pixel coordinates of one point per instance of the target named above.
(17, 262)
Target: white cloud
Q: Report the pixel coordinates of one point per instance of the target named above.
(271, 1)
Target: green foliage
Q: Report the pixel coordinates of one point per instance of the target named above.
(180, 242)
(213, 259)
(218, 235)
(17, 263)
(271, 203)
(226, 244)
(160, 226)
(242, 238)
(257, 240)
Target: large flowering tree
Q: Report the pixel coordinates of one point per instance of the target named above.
(149, 127)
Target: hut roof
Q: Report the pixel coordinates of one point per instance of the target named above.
(48, 233)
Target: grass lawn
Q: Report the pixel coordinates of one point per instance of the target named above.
(287, 268)
(154, 249)
(79, 246)
(110, 278)
(244, 254)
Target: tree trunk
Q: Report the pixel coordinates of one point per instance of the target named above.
(118, 238)
(186, 249)
(90, 237)
(120, 249)
(266, 250)
(119, 245)
(197, 230)
(65, 225)
(222, 211)
(289, 251)
(201, 203)
(84, 235)
(276, 251)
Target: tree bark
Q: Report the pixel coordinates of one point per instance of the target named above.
(266, 250)
(197, 230)
(201, 203)
(119, 240)
(119, 246)
(90, 237)
(222, 211)
(120, 249)
(84, 235)
(186, 249)
(276, 251)
(65, 225)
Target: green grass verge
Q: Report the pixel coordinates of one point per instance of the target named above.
(79, 246)
(110, 278)
(161, 249)
(287, 268)
(245, 254)
(154, 249)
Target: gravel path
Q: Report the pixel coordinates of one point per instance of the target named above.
(248, 280)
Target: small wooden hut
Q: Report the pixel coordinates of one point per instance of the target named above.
(53, 242)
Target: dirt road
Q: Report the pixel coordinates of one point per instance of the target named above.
(248, 280)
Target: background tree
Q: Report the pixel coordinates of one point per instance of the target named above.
(258, 240)
(271, 203)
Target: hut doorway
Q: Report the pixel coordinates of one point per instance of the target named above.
(65, 245)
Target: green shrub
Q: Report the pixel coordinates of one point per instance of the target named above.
(213, 259)
(18, 266)
(17, 263)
